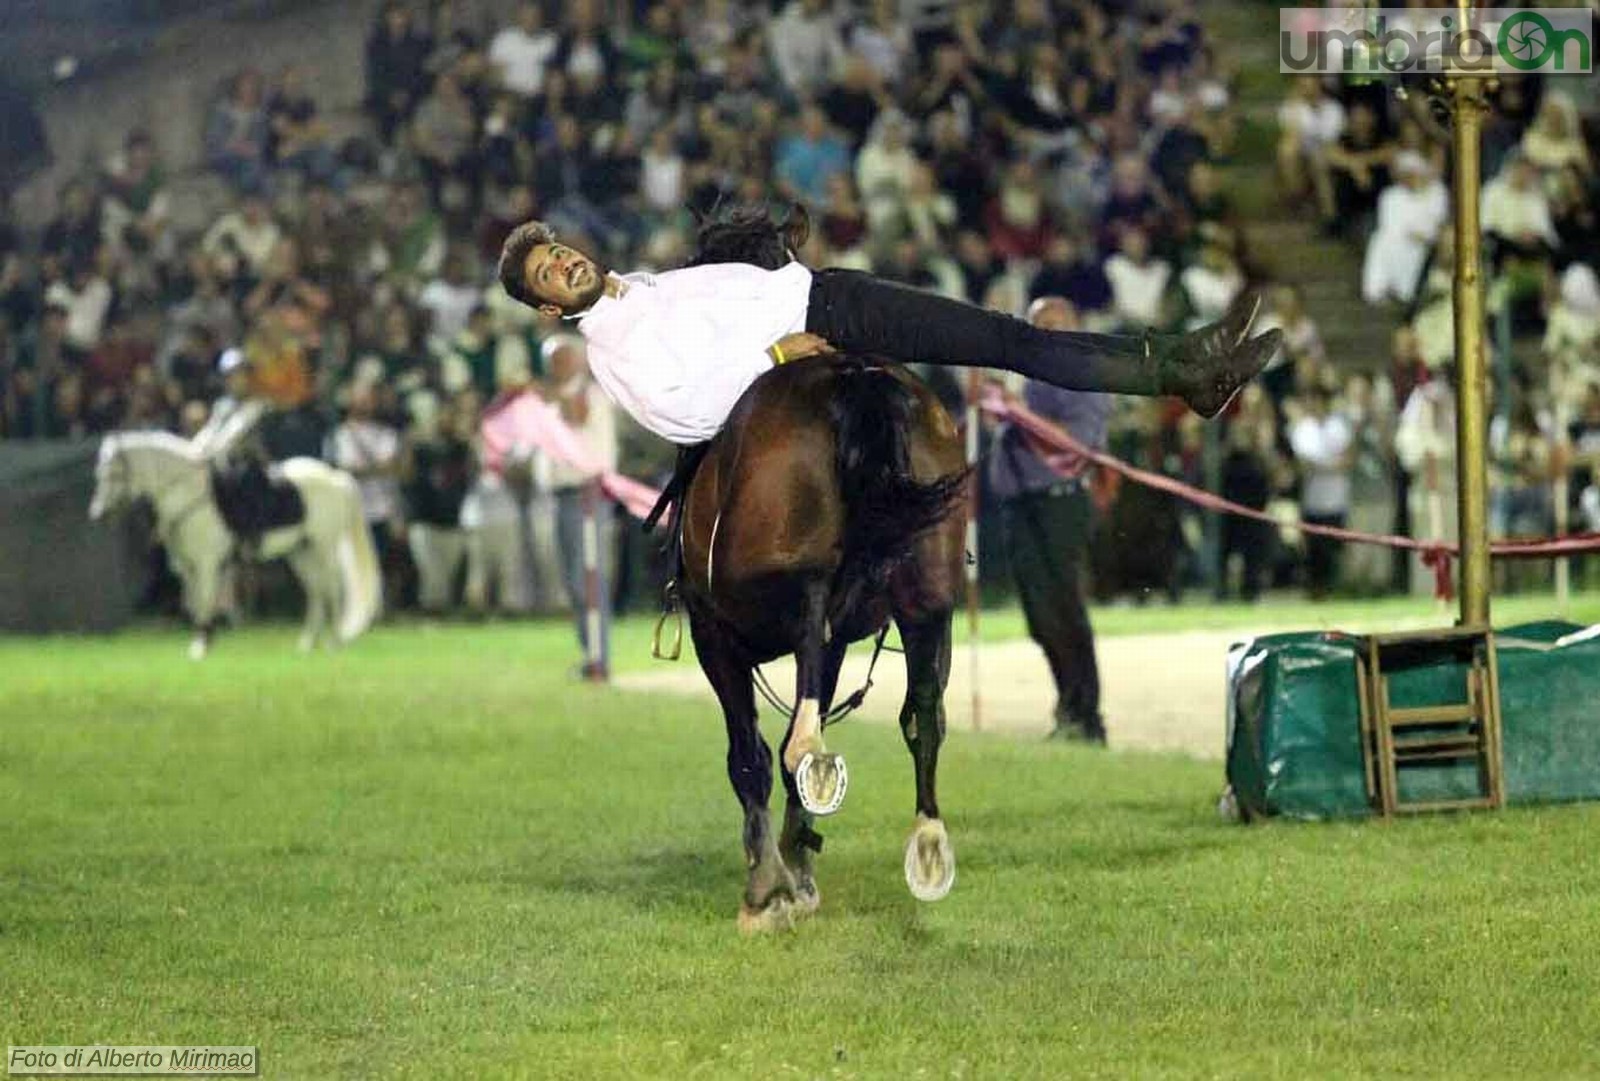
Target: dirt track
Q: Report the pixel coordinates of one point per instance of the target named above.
(1159, 692)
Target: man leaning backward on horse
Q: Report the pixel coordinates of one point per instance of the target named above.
(677, 349)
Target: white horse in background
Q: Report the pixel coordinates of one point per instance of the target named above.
(330, 550)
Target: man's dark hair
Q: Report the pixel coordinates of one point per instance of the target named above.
(514, 260)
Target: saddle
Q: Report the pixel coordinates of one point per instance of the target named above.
(671, 498)
(252, 501)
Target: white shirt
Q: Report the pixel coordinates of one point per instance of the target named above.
(1320, 445)
(1318, 124)
(1137, 289)
(450, 305)
(364, 444)
(521, 57)
(86, 310)
(677, 349)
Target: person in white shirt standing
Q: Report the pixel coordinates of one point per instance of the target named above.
(1321, 440)
(369, 450)
(522, 51)
(587, 412)
(677, 349)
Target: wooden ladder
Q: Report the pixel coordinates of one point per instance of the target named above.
(1394, 737)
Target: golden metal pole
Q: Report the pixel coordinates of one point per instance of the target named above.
(1472, 484)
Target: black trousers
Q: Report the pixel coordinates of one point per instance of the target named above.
(1047, 542)
(859, 313)
(1322, 555)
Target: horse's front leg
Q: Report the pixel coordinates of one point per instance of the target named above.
(800, 842)
(820, 778)
(769, 891)
(930, 860)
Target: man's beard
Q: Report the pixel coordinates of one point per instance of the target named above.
(590, 295)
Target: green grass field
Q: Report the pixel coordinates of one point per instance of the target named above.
(434, 856)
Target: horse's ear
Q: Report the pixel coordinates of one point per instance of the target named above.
(797, 227)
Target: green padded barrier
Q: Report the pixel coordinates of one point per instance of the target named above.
(1294, 744)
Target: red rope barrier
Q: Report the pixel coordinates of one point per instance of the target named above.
(1436, 555)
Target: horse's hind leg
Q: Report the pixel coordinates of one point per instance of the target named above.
(930, 859)
(800, 842)
(819, 777)
(769, 889)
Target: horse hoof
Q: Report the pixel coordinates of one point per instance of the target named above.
(807, 899)
(930, 861)
(776, 915)
(197, 650)
(821, 779)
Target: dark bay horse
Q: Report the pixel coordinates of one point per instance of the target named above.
(824, 509)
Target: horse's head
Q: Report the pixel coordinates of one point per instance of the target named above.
(113, 479)
(749, 234)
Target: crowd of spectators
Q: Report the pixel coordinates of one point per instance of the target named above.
(995, 150)
(1375, 173)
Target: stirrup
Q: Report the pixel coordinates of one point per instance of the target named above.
(669, 610)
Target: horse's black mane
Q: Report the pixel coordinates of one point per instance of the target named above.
(749, 234)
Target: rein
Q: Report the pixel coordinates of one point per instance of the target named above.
(843, 709)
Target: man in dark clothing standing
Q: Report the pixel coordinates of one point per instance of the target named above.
(1047, 514)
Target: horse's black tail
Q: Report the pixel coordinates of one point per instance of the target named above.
(887, 508)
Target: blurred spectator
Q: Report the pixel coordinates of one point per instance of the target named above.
(1285, 310)
(1210, 285)
(1017, 219)
(1521, 457)
(85, 295)
(369, 450)
(585, 49)
(883, 173)
(1425, 443)
(471, 359)
(883, 41)
(1138, 281)
(237, 132)
(1370, 409)
(73, 235)
(1359, 166)
(1321, 439)
(1071, 270)
(589, 413)
(1517, 219)
(443, 135)
(809, 156)
(437, 471)
(1411, 213)
(1576, 217)
(397, 77)
(1310, 123)
(522, 51)
(856, 100)
(1247, 480)
(959, 170)
(1572, 337)
(135, 206)
(806, 46)
(243, 239)
(298, 139)
(450, 298)
(1554, 141)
